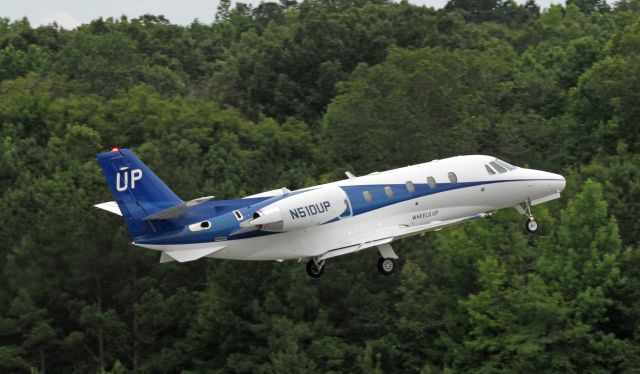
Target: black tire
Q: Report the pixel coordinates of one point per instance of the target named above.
(531, 225)
(386, 266)
(313, 270)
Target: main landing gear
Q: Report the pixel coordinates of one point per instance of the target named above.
(315, 268)
(531, 224)
(386, 262)
(386, 266)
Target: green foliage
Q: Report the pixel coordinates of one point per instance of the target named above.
(519, 320)
(105, 62)
(292, 94)
(426, 97)
(15, 63)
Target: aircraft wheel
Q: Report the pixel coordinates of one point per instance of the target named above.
(386, 266)
(314, 270)
(531, 225)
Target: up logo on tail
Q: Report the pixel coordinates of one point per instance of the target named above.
(122, 183)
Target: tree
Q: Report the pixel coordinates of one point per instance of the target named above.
(425, 97)
(520, 320)
(105, 62)
(290, 95)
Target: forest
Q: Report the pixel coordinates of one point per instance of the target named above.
(292, 94)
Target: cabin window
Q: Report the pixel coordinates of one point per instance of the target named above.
(410, 187)
(367, 196)
(505, 164)
(499, 168)
(389, 191)
(238, 214)
(432, 182)
(453, 178)
(489, 170)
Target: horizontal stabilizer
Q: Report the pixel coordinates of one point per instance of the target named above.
(185, 255)
(110, 206)
(178, 210)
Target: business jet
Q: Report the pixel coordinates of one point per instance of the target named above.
(317, 223)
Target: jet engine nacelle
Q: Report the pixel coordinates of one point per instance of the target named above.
(306, 209)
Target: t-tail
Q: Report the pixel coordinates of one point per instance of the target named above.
(139, 193)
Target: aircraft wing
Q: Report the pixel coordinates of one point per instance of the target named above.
(389, 234)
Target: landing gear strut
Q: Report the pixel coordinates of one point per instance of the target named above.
(531, 224)
(315, 268)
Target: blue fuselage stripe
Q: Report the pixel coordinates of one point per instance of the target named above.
(400, 193)
(225, 224)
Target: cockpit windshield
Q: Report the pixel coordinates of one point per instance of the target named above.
(499, 166)
(505, 164)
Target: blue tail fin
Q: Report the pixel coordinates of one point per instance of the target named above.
(137, 190)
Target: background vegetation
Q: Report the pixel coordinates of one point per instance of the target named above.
(292, 94)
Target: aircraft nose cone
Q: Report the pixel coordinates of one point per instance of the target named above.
(557, 182)
(553, 182)
(562, 183)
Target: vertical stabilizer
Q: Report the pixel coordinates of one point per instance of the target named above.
(137, 190)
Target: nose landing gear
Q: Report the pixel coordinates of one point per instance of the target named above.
(525, 208)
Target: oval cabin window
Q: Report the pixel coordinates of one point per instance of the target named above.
(367, 196)
(389, 191)
(410, 187)
(452, 177)
(432, 182)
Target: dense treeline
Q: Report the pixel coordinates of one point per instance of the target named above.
(292, 94)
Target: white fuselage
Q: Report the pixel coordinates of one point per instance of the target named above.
(476, 191)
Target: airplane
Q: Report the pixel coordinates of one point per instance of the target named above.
(317, 223)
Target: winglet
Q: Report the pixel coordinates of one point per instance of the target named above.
(349, 175)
